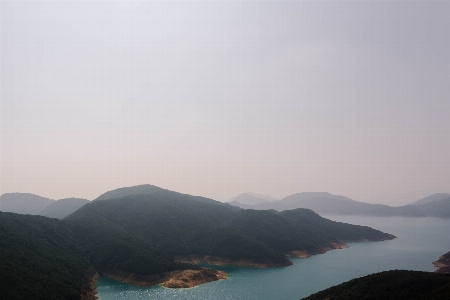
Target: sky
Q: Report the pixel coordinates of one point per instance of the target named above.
(217, 98)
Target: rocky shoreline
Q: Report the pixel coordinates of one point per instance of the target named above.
(222, 261)
(443, 263)
(322, 250)
(172, 279)
(333, 246)
(88, 288)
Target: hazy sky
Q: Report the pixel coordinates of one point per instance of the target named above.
(216, 98)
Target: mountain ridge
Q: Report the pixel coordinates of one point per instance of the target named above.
(326, 203)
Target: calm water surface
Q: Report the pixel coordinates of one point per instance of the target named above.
(419, 242)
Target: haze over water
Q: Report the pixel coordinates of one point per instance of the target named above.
(419, 242)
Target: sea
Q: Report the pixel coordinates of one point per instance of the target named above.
(419, 242)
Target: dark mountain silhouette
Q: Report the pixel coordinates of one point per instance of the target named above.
(62, 208)
(23, 203)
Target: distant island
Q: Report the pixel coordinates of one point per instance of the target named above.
(437, 205)
(148, 235)
(25, 203)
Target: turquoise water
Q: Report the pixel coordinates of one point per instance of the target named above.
(419, 242)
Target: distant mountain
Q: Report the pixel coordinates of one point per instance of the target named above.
(63, 207)
(390, 285)
(437, 208)
(265, 197)
(250, 199)
(144, 189)
(23, 203)
(326, 203)
(432, 198)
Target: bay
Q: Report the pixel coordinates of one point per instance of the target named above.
(419, 242)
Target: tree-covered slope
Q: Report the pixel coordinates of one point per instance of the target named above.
(300, 230)
(390, 285)
(39, 259)
(63, 207)
(109, 247)
(23, 203)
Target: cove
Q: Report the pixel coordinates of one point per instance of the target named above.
(419, 242)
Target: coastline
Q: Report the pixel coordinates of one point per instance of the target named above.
(88, 287)
(173, 279)
(334, 246)
(222, 261)
(443, 264)
(322, 250)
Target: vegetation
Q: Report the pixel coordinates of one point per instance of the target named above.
(395, 285)
(39, 259)
(109, 247)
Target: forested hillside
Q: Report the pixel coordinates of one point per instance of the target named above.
(40, 259)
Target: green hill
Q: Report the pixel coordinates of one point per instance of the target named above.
(62, 208)
(300, 230)
(179, 225)
(390, 285)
